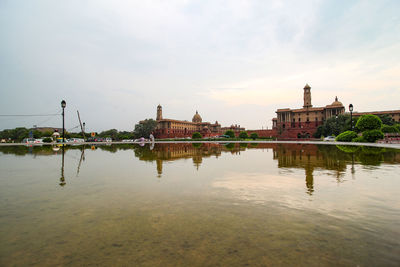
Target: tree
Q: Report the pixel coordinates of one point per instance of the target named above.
(243, 135)
(369, 122)
(389, 129)
(230, 133)
(386, 119)
(334, 126)
(16, 134)
(372, 135)
(196, 135)
(113, 133)
(145, 128)
(346, 136)
(254, 136)
(125, 135)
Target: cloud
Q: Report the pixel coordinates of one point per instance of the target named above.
(221, 57)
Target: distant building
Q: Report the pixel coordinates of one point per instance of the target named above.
(236, 128)
(303, 122)
(170, 128)
(394, 114)
(47, 129)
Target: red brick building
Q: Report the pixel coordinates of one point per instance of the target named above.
(170, 128)
(303, 122)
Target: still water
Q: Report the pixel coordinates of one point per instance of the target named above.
(200, 205)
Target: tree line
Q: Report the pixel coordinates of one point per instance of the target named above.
(140, 130)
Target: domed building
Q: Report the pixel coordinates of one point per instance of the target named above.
(197, 118)
(170, 128)
(303, 122)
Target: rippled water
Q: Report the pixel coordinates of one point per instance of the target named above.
(200, 204)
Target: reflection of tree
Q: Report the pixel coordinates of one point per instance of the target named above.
(372, 156)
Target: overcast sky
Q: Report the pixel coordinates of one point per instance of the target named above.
(233, 61)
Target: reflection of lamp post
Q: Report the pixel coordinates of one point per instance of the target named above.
(351, 115)
(63, 104)
(62, 179)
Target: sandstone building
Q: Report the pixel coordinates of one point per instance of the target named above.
(303, 122)
(169, 128)
(394, 114)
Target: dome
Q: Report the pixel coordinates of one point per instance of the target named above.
(336, 102)
(307, 86)
(197, 117)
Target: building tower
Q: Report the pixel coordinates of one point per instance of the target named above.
(159, 113)
(307, 96)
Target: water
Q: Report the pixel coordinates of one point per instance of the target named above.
(200, 205)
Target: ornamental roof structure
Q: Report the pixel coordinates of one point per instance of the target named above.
(197, 118)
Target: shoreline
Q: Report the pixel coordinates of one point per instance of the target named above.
(385, 145)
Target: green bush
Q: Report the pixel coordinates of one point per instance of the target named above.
(369, 122)
(254, 136)
(389, 129)
(230, 133)
(397, 127)
(196, 135)
(359, 139)
(372, 135)
(346, 136)
(47, 140)
(243, 135)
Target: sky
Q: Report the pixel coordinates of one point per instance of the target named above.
(234, 61)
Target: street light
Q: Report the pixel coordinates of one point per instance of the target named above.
(63, 104)
(351, 115)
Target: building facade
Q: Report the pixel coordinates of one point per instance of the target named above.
(303, 122)
(170, 128)
(394, 114)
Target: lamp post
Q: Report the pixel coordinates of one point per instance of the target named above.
(63, 104)
(351, 115)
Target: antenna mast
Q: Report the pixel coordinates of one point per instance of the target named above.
(83, 133)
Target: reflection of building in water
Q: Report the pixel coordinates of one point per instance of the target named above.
(307, 157)
(310, 157)
(171, 152)
(159, 167)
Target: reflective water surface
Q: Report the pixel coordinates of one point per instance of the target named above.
(200, 205)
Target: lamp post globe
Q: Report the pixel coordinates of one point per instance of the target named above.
(63, 105)
(351, 115)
